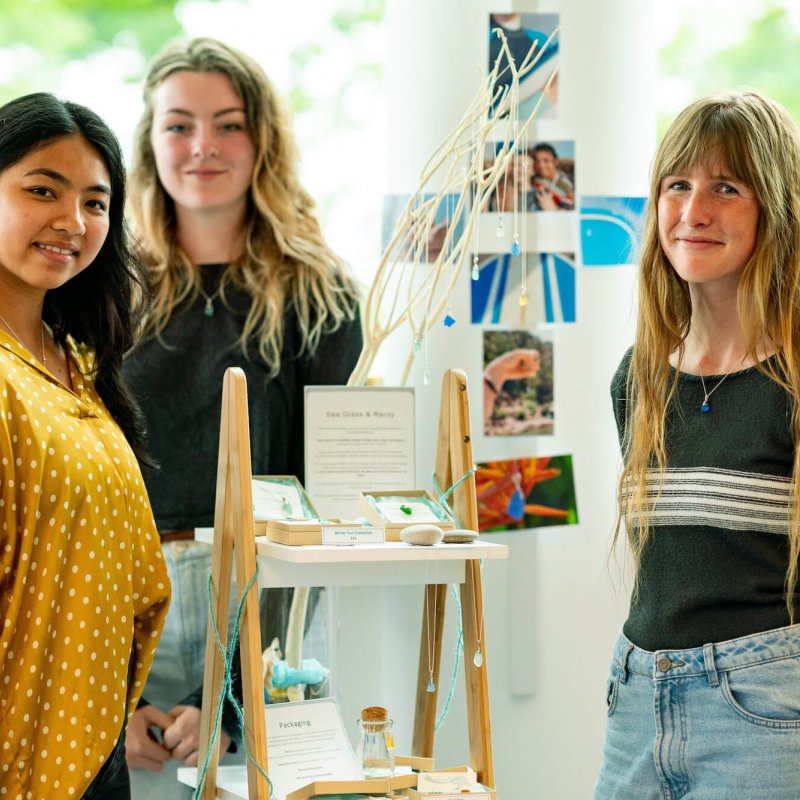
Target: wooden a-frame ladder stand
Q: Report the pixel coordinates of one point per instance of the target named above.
(233, 534)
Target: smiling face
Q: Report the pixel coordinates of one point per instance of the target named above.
(544, 164)
(707, 223)
(53, 215)
(203, 148)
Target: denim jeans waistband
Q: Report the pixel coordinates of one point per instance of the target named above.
(709, 659)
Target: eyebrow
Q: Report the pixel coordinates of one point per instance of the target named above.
(220, 113)
(59, 178)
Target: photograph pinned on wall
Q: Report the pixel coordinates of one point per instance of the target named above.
(443, 219)
(517, 383)
(524, 493)
(611, 228)
(540, 177)
(549, 289)
(522, 31)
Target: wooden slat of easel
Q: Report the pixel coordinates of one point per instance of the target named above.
(454, 459)
(233, 533)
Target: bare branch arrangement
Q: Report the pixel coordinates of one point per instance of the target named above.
(407, 289)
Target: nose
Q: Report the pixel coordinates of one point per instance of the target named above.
(70, 218)
(696, 210)
(204, 144)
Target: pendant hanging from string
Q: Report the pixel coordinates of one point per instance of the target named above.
(705, 406)
(477, 659)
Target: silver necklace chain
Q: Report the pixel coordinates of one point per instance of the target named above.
(19, 338)
(704, 406)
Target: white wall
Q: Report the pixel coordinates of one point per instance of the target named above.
(552, 611)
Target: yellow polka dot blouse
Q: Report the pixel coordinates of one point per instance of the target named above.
(83, 587)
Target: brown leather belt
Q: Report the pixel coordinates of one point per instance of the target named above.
(176, 536)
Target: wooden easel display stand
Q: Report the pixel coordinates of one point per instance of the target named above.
(234, 533)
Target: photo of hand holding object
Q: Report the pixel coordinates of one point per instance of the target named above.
(513, 365)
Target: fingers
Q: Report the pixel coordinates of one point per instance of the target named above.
(142, 750)
(183, 735)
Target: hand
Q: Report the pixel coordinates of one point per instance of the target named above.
(523, 362)
(142, 750)
(545, 199)
(182, 737)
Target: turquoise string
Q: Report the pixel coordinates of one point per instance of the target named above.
(227, 687)
(442, 497)
(459, 651)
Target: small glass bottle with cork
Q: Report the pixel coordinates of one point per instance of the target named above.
(375, 753)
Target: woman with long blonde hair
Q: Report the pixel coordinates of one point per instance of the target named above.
(703, 696)
(241, 276)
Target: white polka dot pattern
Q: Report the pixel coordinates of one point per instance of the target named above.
(83, 587)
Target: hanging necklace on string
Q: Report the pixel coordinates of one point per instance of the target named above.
(704, 406)
(431, 623)
(19, 339)
(209, 309)
(477, 659)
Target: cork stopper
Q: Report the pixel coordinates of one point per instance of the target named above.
(374, 714)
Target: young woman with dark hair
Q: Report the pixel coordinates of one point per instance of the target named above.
(83, 587)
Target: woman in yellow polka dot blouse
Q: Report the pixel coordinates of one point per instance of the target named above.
(83, 588)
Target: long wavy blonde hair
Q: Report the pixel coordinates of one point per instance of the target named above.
(758, 142)
(286, 262)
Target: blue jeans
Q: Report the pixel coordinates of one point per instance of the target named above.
(716, 722)
(179, 661)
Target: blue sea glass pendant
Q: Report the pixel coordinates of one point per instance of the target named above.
(417, 345)
(705, 407)
(515, 251)
(209, 309)
(475, 272)
(516, 505)
(431, 686)
(449, 321)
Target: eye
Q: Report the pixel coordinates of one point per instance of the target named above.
(41, 191)
(726, 188)
(678, 186)
(98, 205)
(177, 127)
(231, 127)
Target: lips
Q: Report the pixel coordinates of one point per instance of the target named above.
(697, 242)
(59, 249)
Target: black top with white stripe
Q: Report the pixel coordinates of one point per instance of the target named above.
(715, 566)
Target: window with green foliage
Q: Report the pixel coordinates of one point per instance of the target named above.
(715, 45)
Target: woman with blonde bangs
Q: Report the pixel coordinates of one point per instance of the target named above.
(702, 693)
(241, 276)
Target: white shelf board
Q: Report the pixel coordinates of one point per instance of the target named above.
(389, 564)
(231, 781)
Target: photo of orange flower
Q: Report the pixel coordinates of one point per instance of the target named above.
(523, 493)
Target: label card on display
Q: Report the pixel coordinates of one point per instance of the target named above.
(357, 439)
(307, 742)
(350, 536)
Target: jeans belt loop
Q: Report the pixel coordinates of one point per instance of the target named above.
(711, 667)
(623, 663)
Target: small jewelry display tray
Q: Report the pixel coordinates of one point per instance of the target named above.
(397, 509)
